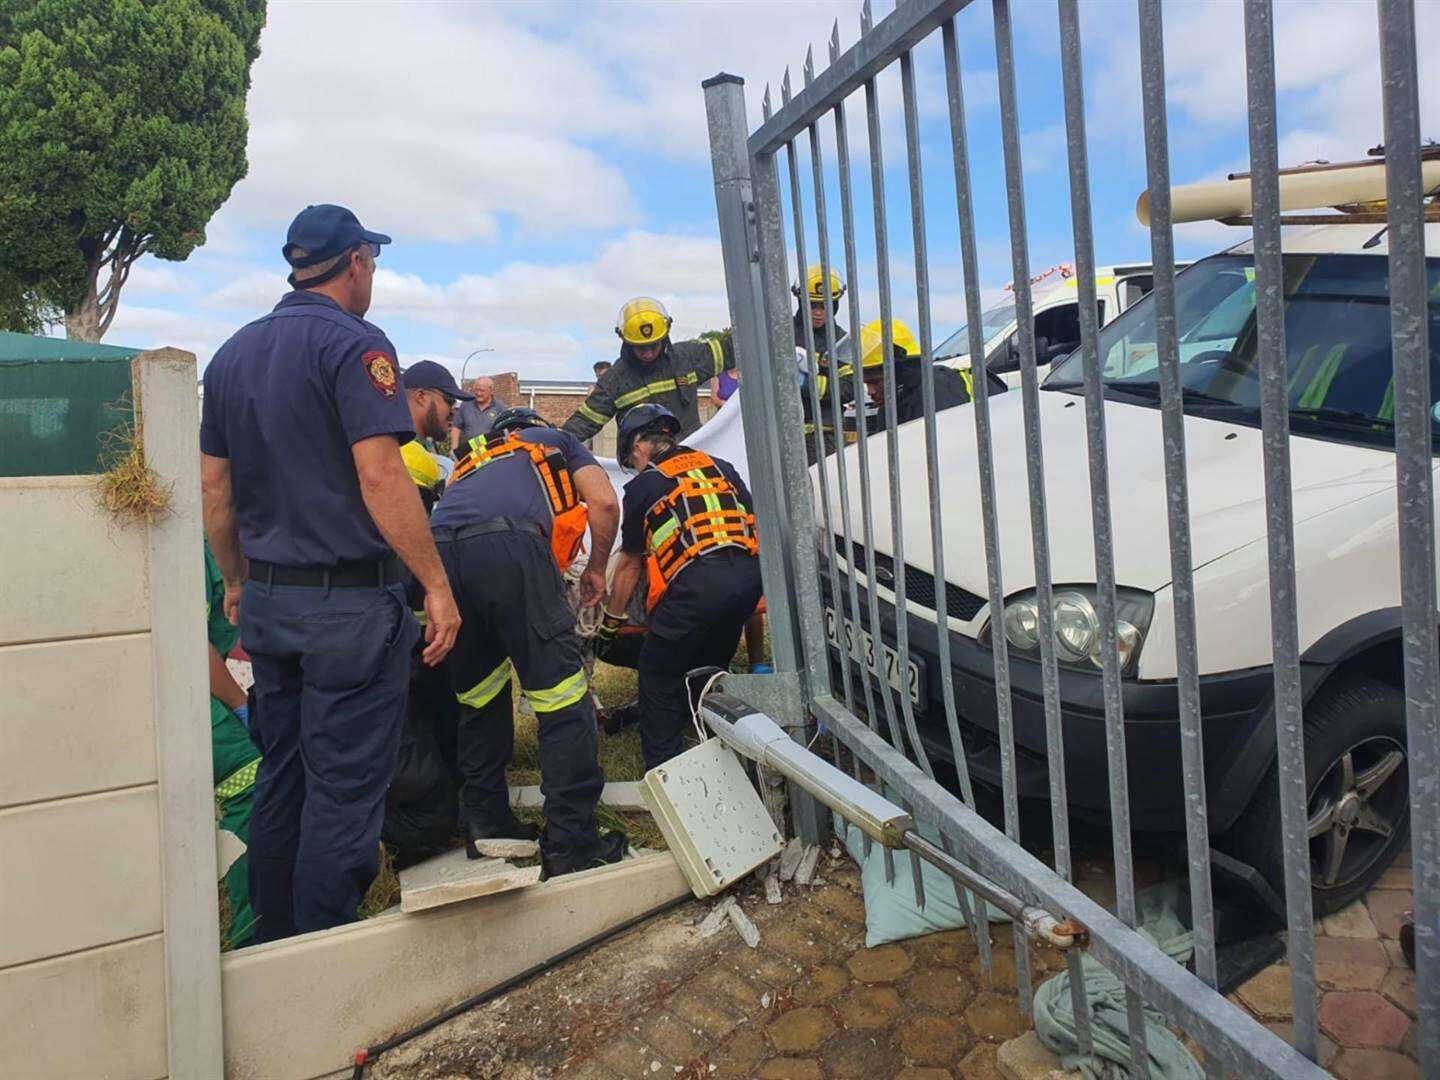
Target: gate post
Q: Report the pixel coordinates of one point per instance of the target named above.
(785, 525)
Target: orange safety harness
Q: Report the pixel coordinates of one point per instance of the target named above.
(700, 514)
(569, 518)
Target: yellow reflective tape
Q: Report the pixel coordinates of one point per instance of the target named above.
(624, 401)
(663, 533)
(238, 781)
(563, 694)
(488, 688)
(420, 616)
(591, 415)
(1074, 283)
(718, 353)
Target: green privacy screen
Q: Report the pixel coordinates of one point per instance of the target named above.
(58, 399)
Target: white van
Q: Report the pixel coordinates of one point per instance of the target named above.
(1342, 461)
(1056, 302)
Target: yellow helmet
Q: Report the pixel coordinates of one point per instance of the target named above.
(872, 343)
(424, 469)
(643, 321)
(814, 285)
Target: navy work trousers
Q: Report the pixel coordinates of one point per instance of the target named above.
(514, 618)
(331, 671)
(697, 623)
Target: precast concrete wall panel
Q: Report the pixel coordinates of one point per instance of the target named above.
(68, 570)
(77, 718)
(92, 1015)
(79, 873)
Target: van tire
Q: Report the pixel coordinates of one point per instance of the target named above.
(1365, 719)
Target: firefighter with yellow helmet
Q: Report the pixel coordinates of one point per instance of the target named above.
(687, 537)
(511, 521)
(652, 369)
(811, 308)
(952, 387)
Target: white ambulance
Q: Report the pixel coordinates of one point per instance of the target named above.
(1056, 301)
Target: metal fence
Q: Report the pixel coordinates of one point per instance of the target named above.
(812, 564)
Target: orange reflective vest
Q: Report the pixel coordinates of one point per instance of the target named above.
(700, 514)
(568, 516)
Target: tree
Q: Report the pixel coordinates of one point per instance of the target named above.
(25, 311)
(122, 131)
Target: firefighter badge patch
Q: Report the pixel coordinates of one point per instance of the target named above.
(380, 370)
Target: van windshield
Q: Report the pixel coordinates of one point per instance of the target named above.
(1337, 346)
(995, 321)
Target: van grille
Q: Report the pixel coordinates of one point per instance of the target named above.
(919, 584)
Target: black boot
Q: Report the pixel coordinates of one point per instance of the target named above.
(516, 830)
(608, 847)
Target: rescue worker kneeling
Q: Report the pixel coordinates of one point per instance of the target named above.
(952, 387)
(689, 533)
(512, 518)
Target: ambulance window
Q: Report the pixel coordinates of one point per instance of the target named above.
(1057, 332)
(1135, 288)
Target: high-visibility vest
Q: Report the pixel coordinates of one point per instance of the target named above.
(700, 514)
(568, 517)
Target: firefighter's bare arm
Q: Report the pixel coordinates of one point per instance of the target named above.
(629, 569)
(222, 529)
(598, 494)
(594, 411)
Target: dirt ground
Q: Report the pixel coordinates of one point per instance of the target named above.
(809, 1002)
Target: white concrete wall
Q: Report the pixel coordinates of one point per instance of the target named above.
(105, 966)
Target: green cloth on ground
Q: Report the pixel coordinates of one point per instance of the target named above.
(233, 758)
(1157, 911)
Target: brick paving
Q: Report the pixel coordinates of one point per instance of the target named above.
(1367, 993)
(812, 1003)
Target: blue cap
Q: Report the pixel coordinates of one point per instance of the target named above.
(323, 231)
(428, 375)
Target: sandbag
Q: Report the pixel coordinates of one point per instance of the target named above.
(891, 913)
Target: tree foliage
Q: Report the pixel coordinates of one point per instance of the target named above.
(122, 131)
(24, 311)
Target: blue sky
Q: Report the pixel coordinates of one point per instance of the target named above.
(539, 163)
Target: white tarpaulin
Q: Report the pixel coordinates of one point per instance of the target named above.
(722, 436)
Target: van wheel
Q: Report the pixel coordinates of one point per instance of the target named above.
(1356, 768)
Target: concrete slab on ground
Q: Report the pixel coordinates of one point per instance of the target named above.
(452, 877)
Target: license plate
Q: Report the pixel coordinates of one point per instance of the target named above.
(883, 661)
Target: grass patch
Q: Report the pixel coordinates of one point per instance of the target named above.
(130, 491)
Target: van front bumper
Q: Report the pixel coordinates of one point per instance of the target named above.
(1236, 721)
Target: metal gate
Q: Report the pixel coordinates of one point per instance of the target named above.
(814, 558)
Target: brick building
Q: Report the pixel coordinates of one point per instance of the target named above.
(557, 399)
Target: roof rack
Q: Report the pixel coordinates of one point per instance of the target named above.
(1354, 191)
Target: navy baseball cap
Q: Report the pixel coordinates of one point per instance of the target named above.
(428, 375)
(323, 231)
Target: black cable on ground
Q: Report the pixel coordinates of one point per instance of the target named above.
(370, 1053)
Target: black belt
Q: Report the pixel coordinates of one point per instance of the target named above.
(485, 528)
(345, 575)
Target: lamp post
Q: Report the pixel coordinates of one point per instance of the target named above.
(466, 363)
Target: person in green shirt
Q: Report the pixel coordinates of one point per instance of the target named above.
(234, 757)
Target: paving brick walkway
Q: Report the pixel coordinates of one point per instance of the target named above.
(1367, 993)
(812, 1003)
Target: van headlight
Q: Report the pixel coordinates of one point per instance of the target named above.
(1077, 626)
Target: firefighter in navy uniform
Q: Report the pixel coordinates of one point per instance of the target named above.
(652, 369)
(687, 534)
(811, 308)
(512, 519)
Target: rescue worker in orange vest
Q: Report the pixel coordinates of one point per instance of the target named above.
(512, 519)
(652, 369)
(688, 537)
